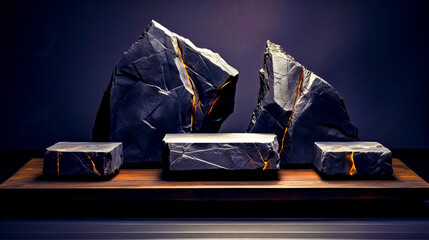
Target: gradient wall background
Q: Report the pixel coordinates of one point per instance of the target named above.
(57, 58)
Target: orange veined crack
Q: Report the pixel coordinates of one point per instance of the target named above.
(266, 163)
(211, 107)
(194, 99)
(353, 170)
(93, 165)
(293, 110)
(217, 98)
(225, 84)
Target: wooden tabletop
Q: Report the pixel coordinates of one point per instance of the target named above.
(147, 184)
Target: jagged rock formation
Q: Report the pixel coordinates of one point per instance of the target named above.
(353, 159)
(82, 159)
(299, 107)
(221, 151)
(164, 84)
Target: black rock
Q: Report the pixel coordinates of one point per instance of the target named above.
(353, 159)
(164, 84)
(299, 107)
(83, 159)
(222, 151)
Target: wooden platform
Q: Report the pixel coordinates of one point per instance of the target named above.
(146, 184)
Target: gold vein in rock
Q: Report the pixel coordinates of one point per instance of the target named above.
(293, 110)
(217, 98)
(93, 165)
(353, 170)
(266, 163)
(194, 99)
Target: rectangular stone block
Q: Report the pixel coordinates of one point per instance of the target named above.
(353, 159)
(221, 151)
(83, 159)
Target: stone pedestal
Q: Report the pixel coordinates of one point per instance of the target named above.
(352, 159)
(83, 159)
(221, 151)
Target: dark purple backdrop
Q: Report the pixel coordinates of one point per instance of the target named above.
(57, 58)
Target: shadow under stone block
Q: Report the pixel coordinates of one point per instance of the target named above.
(98, 159)
(221, 151)
(363, 159)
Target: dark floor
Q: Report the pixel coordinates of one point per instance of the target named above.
(322, 228)
(217, 220)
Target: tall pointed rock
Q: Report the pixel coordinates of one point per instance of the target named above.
(299, 107)
(163, 84)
